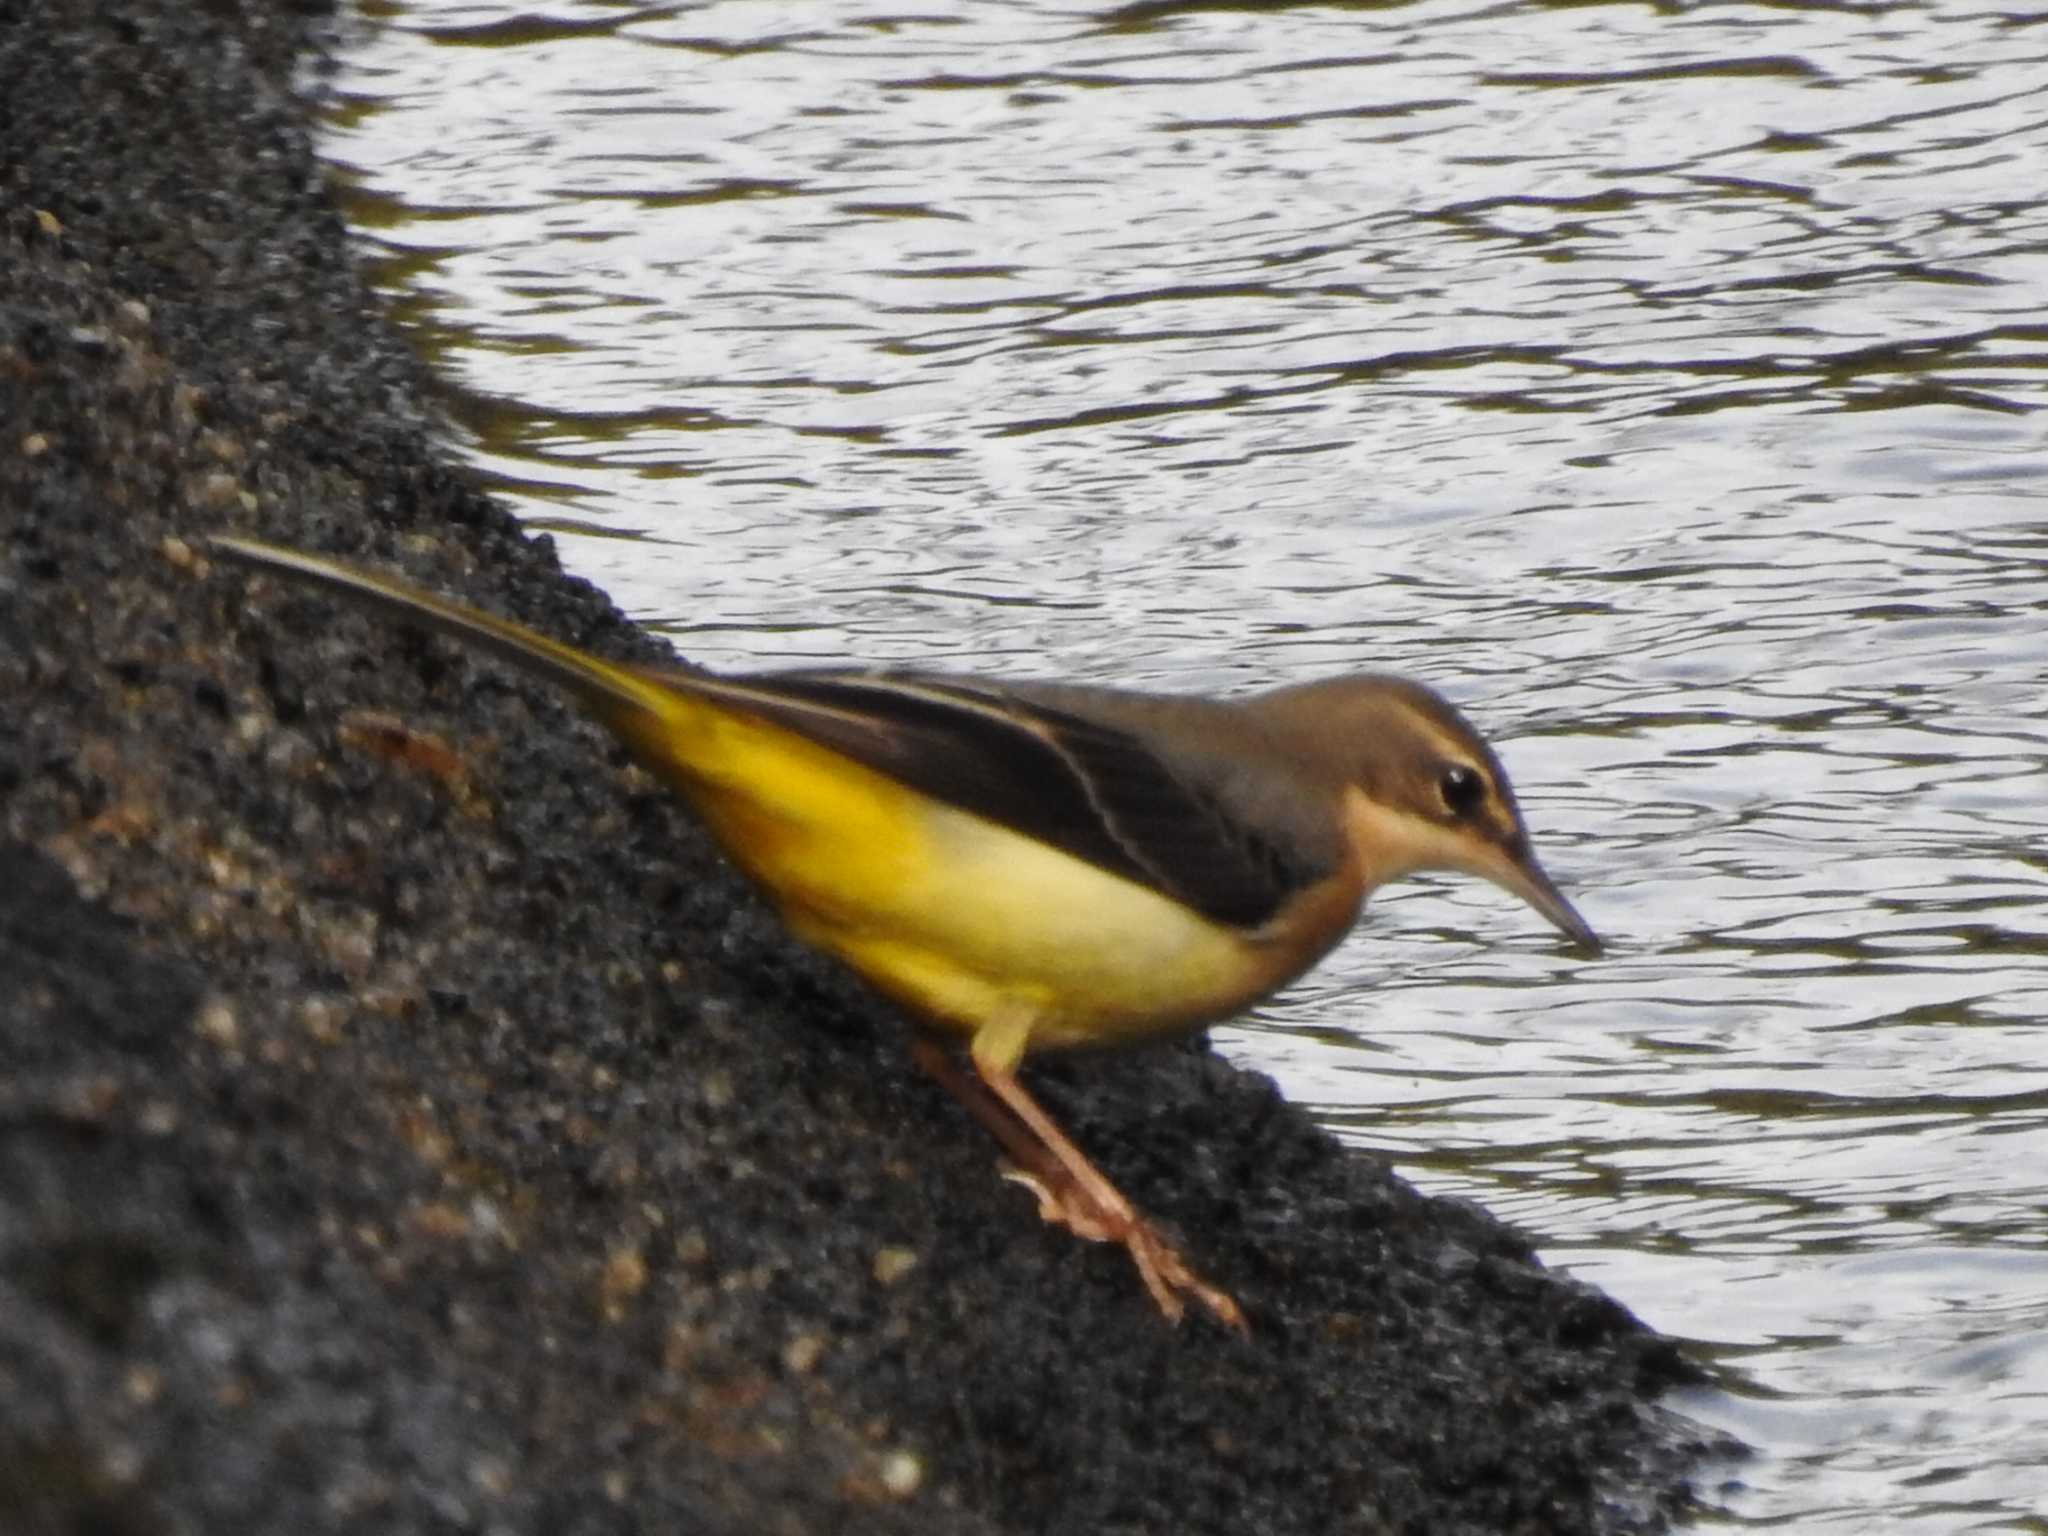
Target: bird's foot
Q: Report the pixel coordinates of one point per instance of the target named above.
(1164, 1269)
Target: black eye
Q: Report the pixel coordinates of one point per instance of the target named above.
(1462, 788)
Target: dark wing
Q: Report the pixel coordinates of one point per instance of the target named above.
(1028, 760)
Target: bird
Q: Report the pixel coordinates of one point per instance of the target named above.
(1042, 866)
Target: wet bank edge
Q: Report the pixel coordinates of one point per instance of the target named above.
(408, 1123)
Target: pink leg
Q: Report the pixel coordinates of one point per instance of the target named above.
(1071, 1190)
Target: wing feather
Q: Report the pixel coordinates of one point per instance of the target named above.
(1050, 768)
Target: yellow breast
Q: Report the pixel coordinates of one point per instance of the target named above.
(972, 925)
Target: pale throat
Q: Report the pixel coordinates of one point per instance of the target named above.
(1389, 844)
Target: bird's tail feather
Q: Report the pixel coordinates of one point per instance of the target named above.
(607, 687)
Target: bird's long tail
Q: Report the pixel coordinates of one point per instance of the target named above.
(610, 689)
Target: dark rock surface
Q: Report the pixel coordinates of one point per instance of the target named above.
(423, 1142)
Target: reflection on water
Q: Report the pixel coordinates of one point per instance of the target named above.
(1657, 381)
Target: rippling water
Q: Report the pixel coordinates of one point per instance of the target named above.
(1662, 382)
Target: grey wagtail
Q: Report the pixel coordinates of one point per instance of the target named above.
(1045, 865)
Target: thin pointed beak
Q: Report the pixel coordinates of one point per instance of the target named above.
(1525, 878)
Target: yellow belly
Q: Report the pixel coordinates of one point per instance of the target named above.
(971, 925)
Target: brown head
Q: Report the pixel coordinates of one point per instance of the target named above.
(1420, 790)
